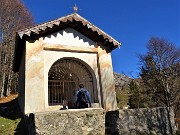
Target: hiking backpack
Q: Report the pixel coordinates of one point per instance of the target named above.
(82, 97)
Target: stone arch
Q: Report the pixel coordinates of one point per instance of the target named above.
(64, 77)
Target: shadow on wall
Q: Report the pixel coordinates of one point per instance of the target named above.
(111, 123)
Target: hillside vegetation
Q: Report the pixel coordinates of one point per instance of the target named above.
(122, 89)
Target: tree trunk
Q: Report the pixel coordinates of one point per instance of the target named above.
(3, 86)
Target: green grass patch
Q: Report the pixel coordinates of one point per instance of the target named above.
(7, 126)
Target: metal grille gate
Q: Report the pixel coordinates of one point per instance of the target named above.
(63, 81)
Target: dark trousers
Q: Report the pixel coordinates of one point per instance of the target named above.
(83, 105)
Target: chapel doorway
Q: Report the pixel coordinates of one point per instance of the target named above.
(64, 77)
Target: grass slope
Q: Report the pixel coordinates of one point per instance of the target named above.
(10, 117)
(8, 126)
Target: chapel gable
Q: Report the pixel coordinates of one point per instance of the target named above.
(70, 37)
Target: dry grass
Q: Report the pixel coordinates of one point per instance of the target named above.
(8, 99)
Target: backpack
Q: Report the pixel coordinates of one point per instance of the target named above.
(82, 97)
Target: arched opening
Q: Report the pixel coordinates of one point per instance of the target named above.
(64, 77)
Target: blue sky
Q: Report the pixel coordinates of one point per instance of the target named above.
(131, 22)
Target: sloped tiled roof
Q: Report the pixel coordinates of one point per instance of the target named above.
(38, 29)
(74, 21)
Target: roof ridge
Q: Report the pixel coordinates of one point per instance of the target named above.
(75, 16)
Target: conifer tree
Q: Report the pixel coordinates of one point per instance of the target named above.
(135, 98)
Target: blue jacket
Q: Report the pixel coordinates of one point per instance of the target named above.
(87, 94)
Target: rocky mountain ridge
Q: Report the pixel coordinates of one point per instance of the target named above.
(121, 80)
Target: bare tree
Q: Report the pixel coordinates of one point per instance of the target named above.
(13, 17)
(160, 73)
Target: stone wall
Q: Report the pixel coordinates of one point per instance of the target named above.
(67, 122)
(140, 121)
(92, 122)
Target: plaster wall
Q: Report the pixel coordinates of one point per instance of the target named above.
(34, 77)
(107, 80)
(51, 56)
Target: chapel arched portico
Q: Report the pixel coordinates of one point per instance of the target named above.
(64, 77)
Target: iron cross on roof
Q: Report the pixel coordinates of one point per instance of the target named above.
(75, 8)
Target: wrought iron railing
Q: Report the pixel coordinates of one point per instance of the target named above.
(61, 91)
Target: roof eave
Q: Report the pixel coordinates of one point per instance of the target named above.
(72, 17)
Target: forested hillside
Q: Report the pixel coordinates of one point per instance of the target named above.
(122, 89)
(159, 81)
(13, 17)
